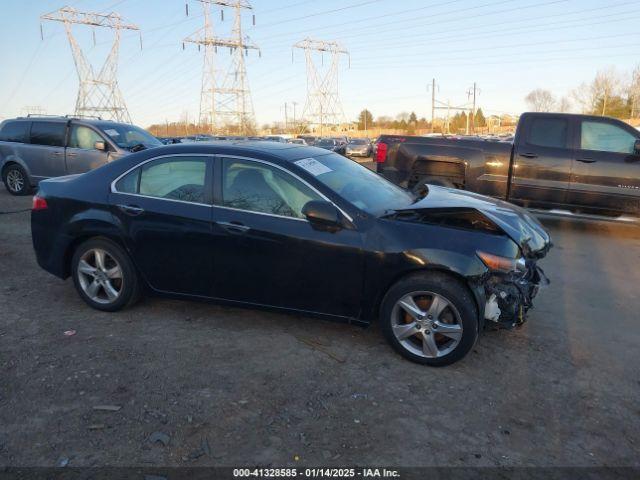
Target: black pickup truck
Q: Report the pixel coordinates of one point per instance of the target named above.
(575, 164)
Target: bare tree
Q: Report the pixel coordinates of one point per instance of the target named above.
(540, 100)
(634, 91)
(596, 96)
(564, 105)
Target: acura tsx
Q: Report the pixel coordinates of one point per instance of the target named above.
(295, 228)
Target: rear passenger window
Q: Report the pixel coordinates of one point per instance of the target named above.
(548, 132)
(15, 132)
(178, 178)
(48, 133)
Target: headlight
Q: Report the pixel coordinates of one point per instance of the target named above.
(503, 264)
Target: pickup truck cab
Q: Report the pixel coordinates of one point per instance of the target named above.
(35, 148)
(563, 162)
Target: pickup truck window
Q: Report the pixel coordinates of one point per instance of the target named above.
(548, 132)
(15, 132)
(48, 133)
(605, 137)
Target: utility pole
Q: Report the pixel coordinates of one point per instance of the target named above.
(323, 99)
(98, 95)
(225, 97)
(473, 92)
(294, 114)
(433, 103)
(285, 117)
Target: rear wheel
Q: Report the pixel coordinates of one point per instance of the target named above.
(15, 180)
(430, 319)
(104, 275)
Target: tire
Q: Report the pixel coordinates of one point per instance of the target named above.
(16, 180)
(452, 327)
(90, 274)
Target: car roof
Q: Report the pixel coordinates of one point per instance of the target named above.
(283, 151)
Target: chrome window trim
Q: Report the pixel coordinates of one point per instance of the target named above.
(139, 165)
(212, 155)
(289, 172)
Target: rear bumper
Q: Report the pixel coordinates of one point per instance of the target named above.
(50, 247)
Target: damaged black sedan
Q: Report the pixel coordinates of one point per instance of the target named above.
(293, 228)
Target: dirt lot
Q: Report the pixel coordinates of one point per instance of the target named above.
(228, 386)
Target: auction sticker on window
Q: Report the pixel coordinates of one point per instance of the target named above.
(111, 132)
(313, 166)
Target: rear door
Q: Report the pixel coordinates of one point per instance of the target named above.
(606, 172)
(45, 154)
(542, 161)
(164, 207)
(81, 155)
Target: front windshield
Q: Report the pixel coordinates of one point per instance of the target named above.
(128, 136)
(358, 141)
(326, 143)
(357, 184)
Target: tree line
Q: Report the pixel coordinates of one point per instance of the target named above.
(610, 92)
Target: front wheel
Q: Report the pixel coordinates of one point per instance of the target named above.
(430, 318)
(104, 275)
(15, 180)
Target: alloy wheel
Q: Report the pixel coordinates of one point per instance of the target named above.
(100, 276)
(15, 180)
(426, 324)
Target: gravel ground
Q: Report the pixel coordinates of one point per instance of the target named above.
(195, 384)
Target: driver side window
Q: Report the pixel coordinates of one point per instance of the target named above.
(262, 188)
(605, 137)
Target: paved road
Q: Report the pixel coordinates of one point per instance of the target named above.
(263, 388)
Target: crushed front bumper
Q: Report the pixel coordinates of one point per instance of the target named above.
(510, 295)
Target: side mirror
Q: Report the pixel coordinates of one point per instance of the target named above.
(100, 146)
(636, 147)
(322, 213)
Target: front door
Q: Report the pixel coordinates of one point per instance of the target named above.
(606, 171)
(542, 162)
(267, 253)
(165, 212)
(82, 155)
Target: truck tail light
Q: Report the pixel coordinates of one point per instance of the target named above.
(381, 153)
(39, 203)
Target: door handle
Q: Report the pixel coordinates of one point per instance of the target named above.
(132, 210)
(72, 154)
(234, 227)
(57, 154)
(529, 155)
(585, 160)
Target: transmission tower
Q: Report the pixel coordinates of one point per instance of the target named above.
(225, 98)
(98, 95)
(322, 106)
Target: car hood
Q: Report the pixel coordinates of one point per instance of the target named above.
(517, 223)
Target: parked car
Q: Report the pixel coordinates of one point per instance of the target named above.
(331, 144)
(571, 164)
(169, 140)
(35, 148)
(275, 138)
(359, 147)
(293, 228)
(296, 141)
(309, 139)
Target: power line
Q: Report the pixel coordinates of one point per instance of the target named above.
(347, 7)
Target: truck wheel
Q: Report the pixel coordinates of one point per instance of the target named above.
(15, 180)
(430, 318)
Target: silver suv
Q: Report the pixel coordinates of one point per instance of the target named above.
(35, 148)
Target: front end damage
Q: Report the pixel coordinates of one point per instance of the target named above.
(509, 284)
(510, 294)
